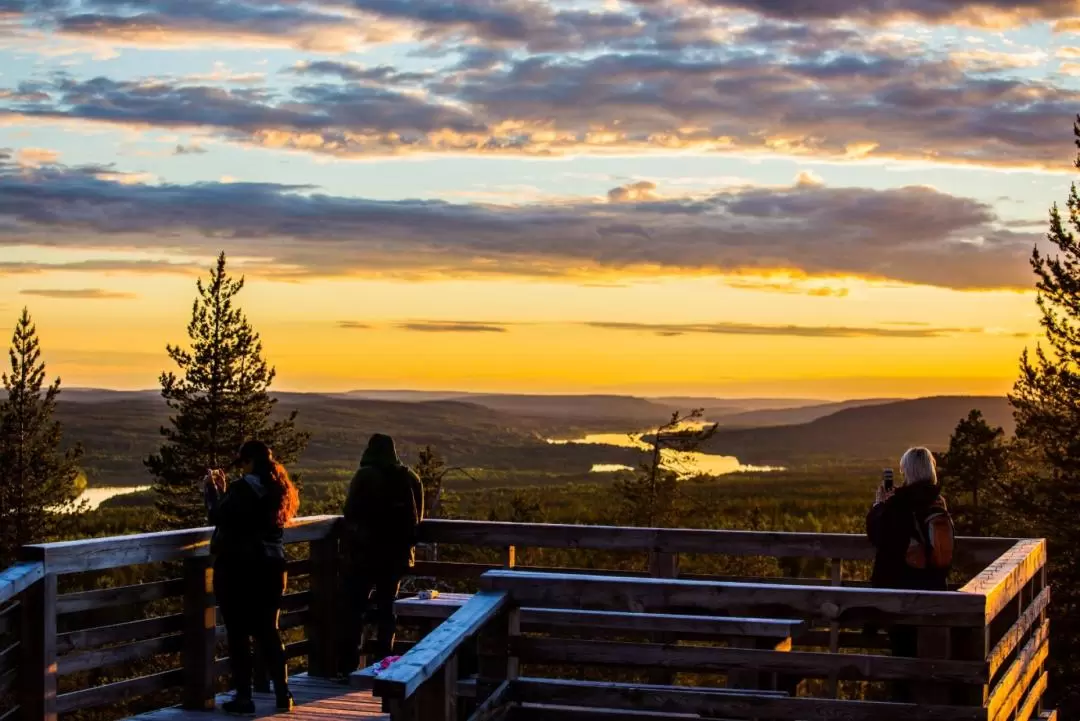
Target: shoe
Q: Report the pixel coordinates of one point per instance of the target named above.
(239, 707)
(285, 701)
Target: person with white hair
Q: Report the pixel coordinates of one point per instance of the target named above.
(913, 533)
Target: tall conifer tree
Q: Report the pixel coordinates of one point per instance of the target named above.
(37, 478)
(1046, 403)
(219, 398)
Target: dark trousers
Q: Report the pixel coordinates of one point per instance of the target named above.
(249, 594)
(363, 586)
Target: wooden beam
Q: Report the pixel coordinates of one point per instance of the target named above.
(1034, 697)
(1008, 691)
(200, 630)
(113, 655)
(1019, 630)
(110, 693)
(707, 659)
(537, 619)
(1003, 579)
(843, 605)
(119, 596)
(96, 554)
(495, 705)
(37, 678)
(726, 705)
(17, 578)
(134, 630)
(425, 659)
(324, 631)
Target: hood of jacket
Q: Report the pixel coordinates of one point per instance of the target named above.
(380, 452)
(919, 495)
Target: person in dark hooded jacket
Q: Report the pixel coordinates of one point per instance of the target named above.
(381, 518)
(913, 534)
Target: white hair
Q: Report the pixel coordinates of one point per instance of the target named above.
(918, 466)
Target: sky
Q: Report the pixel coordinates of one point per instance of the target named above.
(827, 199)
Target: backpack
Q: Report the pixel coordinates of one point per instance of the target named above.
(931, 545)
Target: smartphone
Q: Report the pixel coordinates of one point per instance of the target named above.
(887, 479)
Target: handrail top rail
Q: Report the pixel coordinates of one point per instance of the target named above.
(425, 659)
(114, 551)
(17, 578)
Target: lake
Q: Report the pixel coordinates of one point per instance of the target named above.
(686, 464)
(97, 495)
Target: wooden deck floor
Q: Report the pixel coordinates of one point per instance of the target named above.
(316, 700)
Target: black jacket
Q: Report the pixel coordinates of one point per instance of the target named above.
(913, 535)
(383, 510)
(245, 521)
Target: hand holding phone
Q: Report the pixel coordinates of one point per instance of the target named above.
(887, 479)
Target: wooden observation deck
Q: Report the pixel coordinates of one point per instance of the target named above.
(534, 643)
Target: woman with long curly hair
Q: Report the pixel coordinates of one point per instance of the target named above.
(249, 516)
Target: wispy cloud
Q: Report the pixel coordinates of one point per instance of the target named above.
(353, 325)
(78, 294)
(442, 326)
(800, 331)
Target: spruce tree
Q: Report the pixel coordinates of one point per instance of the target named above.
(219, 398)
(972, 472)
(1046, 404)
(37, 479)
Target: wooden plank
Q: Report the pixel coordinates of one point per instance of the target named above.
(1015, 635)
(200, 631)
(9, 616)
(130, 631)
(843, 605)
(418, 665)
(295, 601)
(706, 659)
(298, 568)
(495, 705)
(1002, 580)
(1008, 692)
(8, 679)
(1034, 697)
(110, 693)
(104, 657)
(119, 596)
(974, 551)
(546, 712)
(552, 619)
(11, 714)
(728, 705)
(323, 631)
(37, 678)
(96, 554)
(18, 577)
(534, 619)
(9, 656)
(846, 639)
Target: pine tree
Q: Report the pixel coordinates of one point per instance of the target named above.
(220, 398)
(649, 496)
(973, 471)
(1046, 404)
(431, 469)
(37, 479)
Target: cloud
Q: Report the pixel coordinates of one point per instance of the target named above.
(35, 157)
(189, 150)
(633, 192)
(978, 13)
(78, 294)
(441, 326)
(851, 101)
(912, 235)
(800, 331)
(353, 325)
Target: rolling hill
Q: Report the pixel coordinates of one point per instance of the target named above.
(881, 431)
(792, 416)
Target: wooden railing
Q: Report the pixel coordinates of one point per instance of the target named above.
(62, 638)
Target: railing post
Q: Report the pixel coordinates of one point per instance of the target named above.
(322, 630)
(836, 578)
(200, 627)
(37, 678)
(933, 644)
(663, 564)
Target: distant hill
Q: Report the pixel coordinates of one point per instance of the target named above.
(794, 415)
(118, 434)
(720, 406)
(880, 431)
